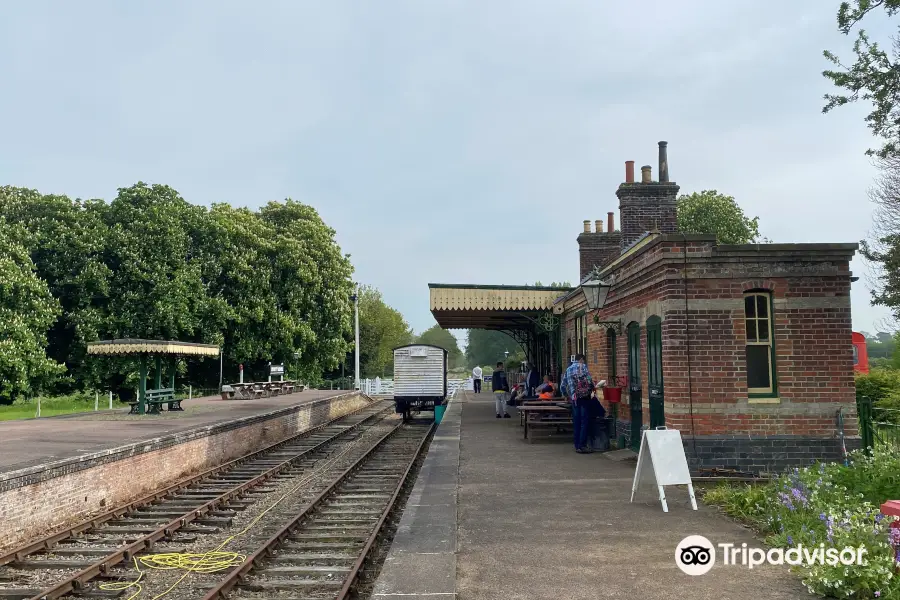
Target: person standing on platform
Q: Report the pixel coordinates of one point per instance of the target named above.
(476, 378)
(531, 383)
(577, 386)
(500, 385)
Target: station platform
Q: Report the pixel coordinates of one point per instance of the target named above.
(33, 442)
(58, 471)
(493, 517)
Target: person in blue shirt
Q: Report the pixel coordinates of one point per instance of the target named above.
(577, 386)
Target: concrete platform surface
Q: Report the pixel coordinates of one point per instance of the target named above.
(30, 442)
(539, 521)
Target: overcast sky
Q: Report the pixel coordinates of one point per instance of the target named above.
(445, 141)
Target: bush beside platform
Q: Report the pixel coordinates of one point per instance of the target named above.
(829, 503)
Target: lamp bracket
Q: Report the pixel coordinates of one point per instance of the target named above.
(614, 325)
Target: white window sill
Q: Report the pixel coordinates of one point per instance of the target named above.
(763, 400)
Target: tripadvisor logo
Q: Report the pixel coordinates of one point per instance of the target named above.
(696, 555)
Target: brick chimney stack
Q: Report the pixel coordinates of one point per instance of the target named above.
(648, 205)
(598, 248)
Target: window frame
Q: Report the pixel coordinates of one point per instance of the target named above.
(772, 390)
(584, 335)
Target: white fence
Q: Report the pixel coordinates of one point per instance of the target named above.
(385, 387)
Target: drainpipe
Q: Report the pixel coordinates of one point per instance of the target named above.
(687, 340)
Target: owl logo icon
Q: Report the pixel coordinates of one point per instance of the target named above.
(695, 555)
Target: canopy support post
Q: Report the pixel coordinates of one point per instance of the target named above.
(142, 387)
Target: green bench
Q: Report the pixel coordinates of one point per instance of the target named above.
(155, 400)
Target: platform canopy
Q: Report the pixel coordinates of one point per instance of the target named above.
(135, 347)
(498, 307)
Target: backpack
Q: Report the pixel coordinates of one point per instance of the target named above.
(583, 385)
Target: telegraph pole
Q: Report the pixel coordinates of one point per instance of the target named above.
(356, 345)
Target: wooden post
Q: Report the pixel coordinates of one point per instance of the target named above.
(142, 387)
(158, 372)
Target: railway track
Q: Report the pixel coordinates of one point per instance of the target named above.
(320, 553)
(79, 560)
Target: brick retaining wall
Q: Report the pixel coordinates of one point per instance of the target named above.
(763, 454)
(50, 497)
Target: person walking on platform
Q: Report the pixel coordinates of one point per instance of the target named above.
(500, 385)
(577, 386)
(476, 378)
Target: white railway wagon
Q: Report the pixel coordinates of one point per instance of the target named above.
(420, 377)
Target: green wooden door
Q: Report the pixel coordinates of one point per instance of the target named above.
(634, 384)
(654, 373)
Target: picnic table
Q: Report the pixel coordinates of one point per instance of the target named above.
(549, 414)
(260, 389)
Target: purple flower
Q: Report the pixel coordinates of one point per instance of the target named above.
(790, 541)
(879, 518)
(877, 594)
(894, 536)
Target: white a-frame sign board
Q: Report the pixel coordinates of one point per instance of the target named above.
(661, 459)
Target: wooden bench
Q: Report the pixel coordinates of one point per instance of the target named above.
(155, 400)
(549, 416)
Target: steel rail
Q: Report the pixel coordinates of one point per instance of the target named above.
(76, 582)
(48, 542)
(355, 571)
(268, 548)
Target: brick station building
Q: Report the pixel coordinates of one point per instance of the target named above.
(746, 349)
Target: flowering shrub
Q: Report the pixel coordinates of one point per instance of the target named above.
(832, 504)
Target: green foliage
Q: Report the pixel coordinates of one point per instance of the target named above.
(486, 347)
(878, 384)
(711, 213)
(381, 329)
(66, 242)
(563, 284)
(872, 77)
(882, 345)
(443, 339)
(882, 387)
(27, 310)
(831, 504)
(270, 285)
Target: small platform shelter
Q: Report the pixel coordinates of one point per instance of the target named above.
(157, 349)
(525, 313)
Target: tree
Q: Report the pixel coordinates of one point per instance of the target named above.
(710, 212)
(882, 251)
(27, 310)
(874, 76)
(381, 329)
(436, 336)
(487, 347)
(268, 285)
(563, 284)
(313, 286)
(66, 242)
